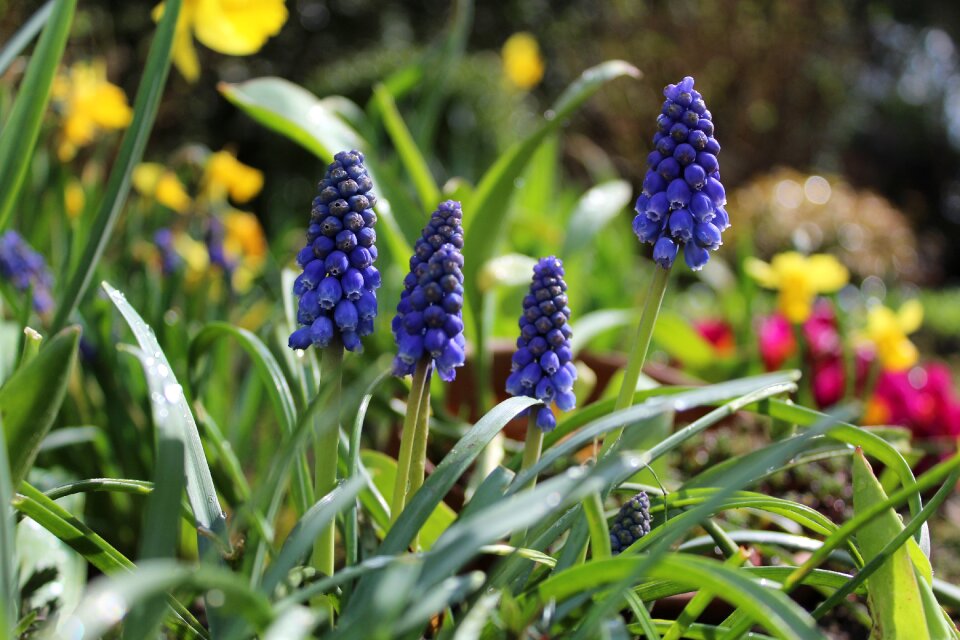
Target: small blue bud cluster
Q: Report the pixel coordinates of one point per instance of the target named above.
(337, 289)
(631, 523)
(170, 260)
(25, 268)
(682, 203)
(429, 320)
(541, 365)
(213, 238)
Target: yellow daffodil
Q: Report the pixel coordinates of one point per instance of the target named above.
(244, 242)
(233, 27)
(887, 330)
(522, 62)
(224, 174)
(195, 257)
(89, 104)
(74, 198)
(153, 180)
(798, 279)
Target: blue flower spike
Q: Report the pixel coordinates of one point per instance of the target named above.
(337, 290)
(683, 201)
(24, 268)
(429, 320)
(542, 366)
(631, 523)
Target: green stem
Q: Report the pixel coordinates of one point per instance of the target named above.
(421, 433)
(328, 441)
(597, 524)
(870, 384)
(31, 346)
(406, 440)
(532, 445)
(638, 353)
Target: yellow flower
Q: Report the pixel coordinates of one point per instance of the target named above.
(888, 330)
(522, 62)
(225, 174)
(89, 104)
(799, 279)
(245, 242)
(153, 180)
(195, 257)
(74, 198)
(233, 27)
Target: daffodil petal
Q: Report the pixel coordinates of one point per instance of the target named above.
(827, 273)
(910, 316)
(238, 27)
(762, 272)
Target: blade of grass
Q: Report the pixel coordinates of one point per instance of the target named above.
(9, 589)
(24, 35)
(131, 152)
(22, 127)
(275, 383)
(48, 514)
(407, 149)
(173, 419)
(30, 400)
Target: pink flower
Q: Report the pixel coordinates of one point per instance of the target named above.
(922, 399)
(718, 333)
(777, 343)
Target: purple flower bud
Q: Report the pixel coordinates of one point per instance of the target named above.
(346, 316)
(695, 256)
(681, 225)
(665, 252)
(707, 235)
(546, 420)
(322, 331)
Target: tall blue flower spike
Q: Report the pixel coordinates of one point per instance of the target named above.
(682, 202)
(429, 320)
(25, 268)
(542, 366)
(631, 523)
(337, 289)
(170, 260)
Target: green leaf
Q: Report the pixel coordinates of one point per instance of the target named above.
(275, 383)
(383, 472)
(167, 398)
(294, 113)
(9, 591)
(31, 399)
(79, 537)
(25, 35)
(413, 161)
(22, 127)
(110, 598)
(131, 152)
(769, 608)
(309, 527)
(896, 604)
(595, 208)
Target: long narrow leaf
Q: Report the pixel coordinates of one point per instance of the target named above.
(25, 35)
(31, 399)
(9, 590)
(22, 127)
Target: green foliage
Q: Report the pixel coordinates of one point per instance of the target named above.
(479, 550)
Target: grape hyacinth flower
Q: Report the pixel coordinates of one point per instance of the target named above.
(542, 366)
(170, 260)
(682, 203)
(429, 320)
(631, 523)
(24, 268)
(337, 289)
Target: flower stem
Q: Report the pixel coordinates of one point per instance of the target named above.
(638, 354)
(421, 433)
(532, 446)
(327, 442)
(401, 486)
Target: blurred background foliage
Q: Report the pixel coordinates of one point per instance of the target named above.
(867, 91)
